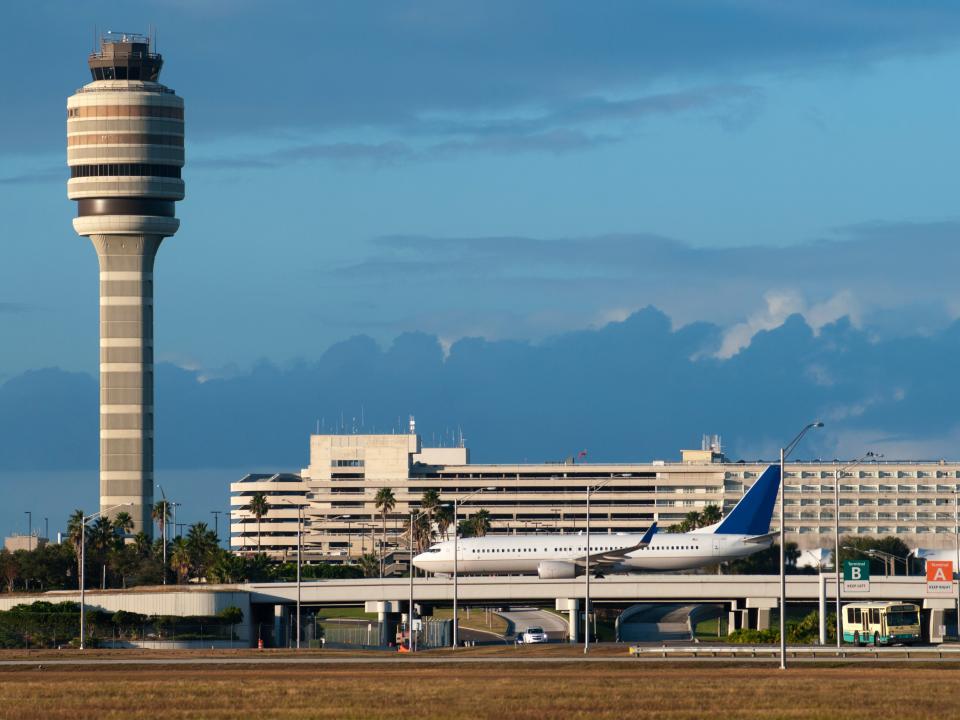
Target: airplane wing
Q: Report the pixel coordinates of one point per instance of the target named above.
(757, 539)
(608, 558)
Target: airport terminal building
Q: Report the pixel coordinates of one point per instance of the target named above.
(337, 496)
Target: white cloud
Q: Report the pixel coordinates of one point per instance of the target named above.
(779, 305)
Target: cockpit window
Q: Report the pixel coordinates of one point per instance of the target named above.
(434, 549)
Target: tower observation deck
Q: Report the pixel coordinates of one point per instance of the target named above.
(125, 153)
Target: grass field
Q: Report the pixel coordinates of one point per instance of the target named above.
(482, 691)
(475, 620)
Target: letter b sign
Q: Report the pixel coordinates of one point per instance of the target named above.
(856, 570)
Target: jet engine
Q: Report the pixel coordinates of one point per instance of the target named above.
(556, 570)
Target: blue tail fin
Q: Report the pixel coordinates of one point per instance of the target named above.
(648, 535)
(753, 513)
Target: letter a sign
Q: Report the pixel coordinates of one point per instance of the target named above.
(939, 577)
(856, 576)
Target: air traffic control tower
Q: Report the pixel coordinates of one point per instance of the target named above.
(125, 152)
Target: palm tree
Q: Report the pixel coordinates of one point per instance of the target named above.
(444, 519)
(161, 515)
(102, 540)
(258, 507)
(481, 522)
(422, 532)
(690, 522)
(711, 514)
(430, 503)
(122, 524)
(76, 534)
(385, 502)
(370, 565)
(202, 543)
(141, 544)
(180, 558)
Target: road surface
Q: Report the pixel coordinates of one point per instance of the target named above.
(658, 623)
(520, 618)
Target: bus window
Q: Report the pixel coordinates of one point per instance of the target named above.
(905, 615)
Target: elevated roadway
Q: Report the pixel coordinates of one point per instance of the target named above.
(749, 599)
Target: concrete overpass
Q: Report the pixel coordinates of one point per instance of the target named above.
(748, 598)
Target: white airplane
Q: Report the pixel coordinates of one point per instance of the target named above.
(744, 531)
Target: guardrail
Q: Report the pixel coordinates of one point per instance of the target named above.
(808, 652)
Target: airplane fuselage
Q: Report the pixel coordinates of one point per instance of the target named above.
(525, 554)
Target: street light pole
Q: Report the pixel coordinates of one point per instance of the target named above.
(84, 519)
(216, 523)
(410, 609)
(784, 452)
(456, 569)
(29, 528)
(83, 579)
(836, 548)
(456, 561)
(299, 545)
(163, 530)
(586, 611)
(956, 534)
(836, 531)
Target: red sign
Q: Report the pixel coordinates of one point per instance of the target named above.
(939, 570)
(939, 576)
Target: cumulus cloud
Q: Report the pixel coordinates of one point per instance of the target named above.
(524, 287)
(779, 305)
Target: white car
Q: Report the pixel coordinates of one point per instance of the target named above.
(533, 635)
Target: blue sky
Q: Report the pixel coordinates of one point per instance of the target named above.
(510, 171)
(317, 132)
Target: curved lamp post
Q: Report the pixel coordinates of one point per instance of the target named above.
(784, 452)
(83, 565)
(837, 475)
(586, 611)
(456, 558)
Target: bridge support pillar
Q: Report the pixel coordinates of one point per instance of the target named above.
(388, 616)
(762, 606)
(737, 620)
(571, 606)
(280, 625)
(763, 619)
(937, 608)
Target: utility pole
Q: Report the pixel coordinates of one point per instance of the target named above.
(216, 523)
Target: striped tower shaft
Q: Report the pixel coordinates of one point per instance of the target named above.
(125, 150)
(126, 372)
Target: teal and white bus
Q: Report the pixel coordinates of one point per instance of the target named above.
(881, 623)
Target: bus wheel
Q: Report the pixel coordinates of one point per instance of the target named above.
(876, 639)
(856, 638)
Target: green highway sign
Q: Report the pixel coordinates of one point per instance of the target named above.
(856, 575)
(856, 569)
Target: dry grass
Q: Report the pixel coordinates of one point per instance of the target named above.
(476, 619)
(484, 691)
